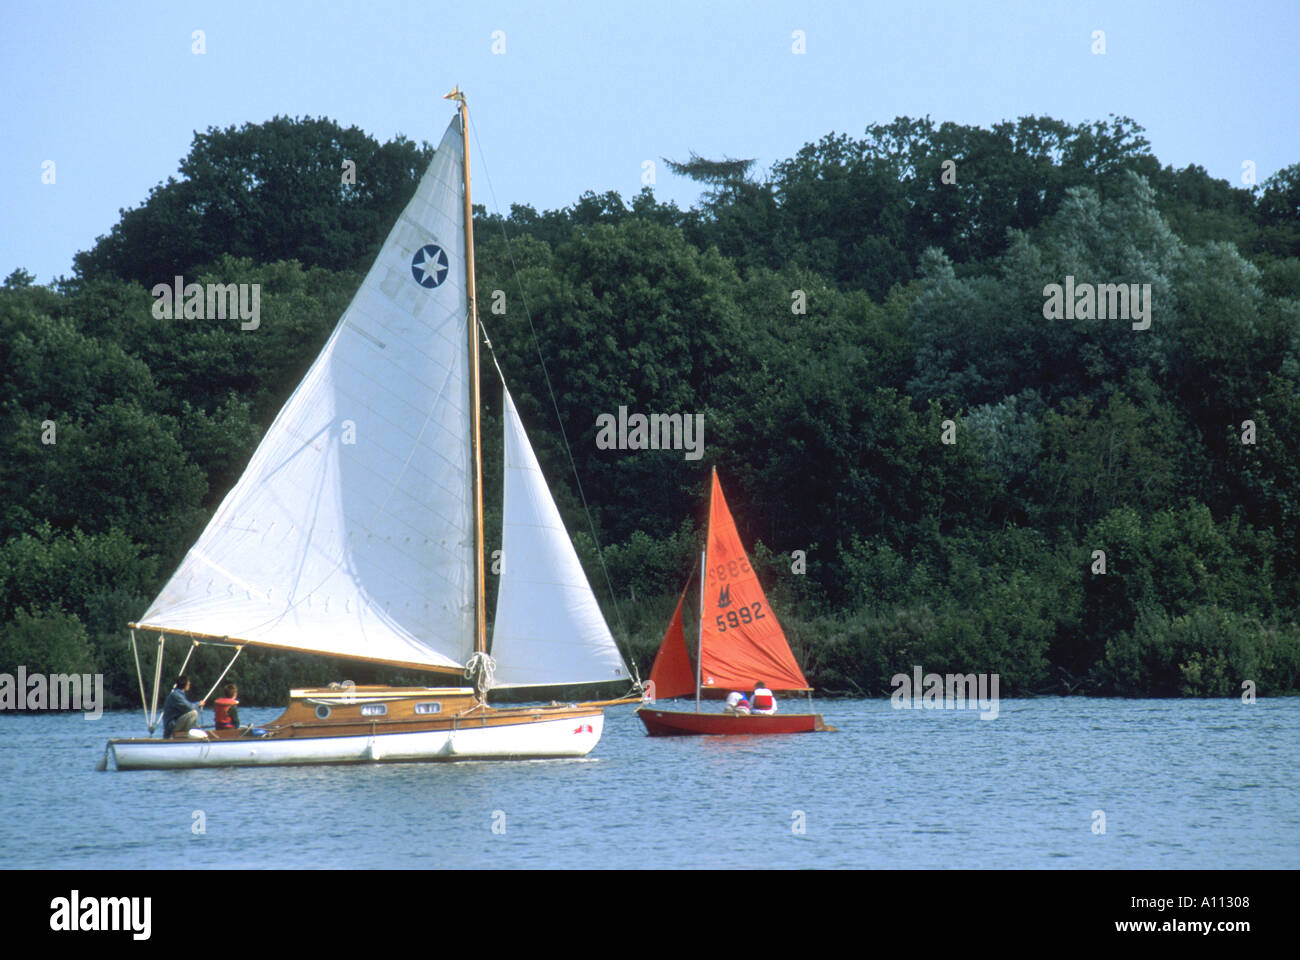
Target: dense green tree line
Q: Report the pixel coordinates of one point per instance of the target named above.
(1118, 510)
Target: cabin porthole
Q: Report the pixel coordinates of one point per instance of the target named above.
(423, 708)
(322, 712)
(374, 709)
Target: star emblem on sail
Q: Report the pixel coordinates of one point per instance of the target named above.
(429, 266)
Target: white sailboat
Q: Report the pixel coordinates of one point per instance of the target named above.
(356, 531)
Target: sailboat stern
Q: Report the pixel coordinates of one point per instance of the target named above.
(543, 733)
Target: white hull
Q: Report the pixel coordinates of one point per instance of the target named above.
(538, 739)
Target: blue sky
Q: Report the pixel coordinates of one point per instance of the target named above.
(586, 91)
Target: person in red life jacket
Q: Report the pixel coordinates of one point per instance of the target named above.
(226, 709)
(763, 700)
(737, 704)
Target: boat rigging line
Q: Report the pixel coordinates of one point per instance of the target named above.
(157, 682)
(238, 651)
(481, 668)
(546, 376)
(150, 705)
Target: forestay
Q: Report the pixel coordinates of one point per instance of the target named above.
(351, 530)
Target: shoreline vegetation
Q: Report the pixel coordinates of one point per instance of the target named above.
(928, 469)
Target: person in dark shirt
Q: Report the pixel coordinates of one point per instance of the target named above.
(180, 713)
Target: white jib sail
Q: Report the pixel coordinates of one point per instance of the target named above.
(549, 628)
(351, 530)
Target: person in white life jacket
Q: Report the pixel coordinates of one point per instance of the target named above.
(763, 701)
(736, 703)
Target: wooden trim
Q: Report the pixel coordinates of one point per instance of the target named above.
(370, 691)
(630, 698)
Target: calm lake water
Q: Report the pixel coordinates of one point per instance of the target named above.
(1193, 783)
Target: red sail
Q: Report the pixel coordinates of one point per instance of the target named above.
(743, 643)
(671, 676)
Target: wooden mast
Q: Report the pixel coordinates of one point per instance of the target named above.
(480, 603)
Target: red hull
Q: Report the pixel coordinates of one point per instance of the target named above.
(672, 723)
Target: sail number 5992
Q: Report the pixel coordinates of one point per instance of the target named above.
(734, 618)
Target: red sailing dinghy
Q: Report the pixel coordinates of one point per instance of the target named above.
(740, 645)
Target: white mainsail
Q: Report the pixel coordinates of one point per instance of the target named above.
(549, 628)
(351, 531)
